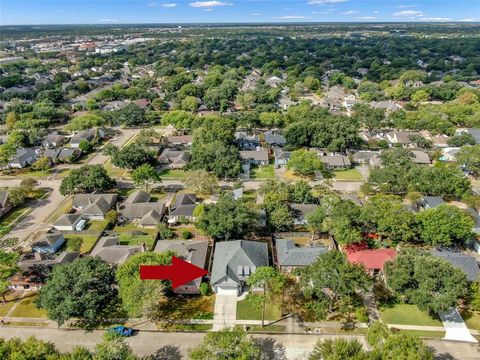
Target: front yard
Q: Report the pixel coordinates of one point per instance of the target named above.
(185, 307)
(347, 175)
(249, 310)
(131, 234)
(405, 314)
(173, 174)
(27, 308)
(472, 320)
(263, 172)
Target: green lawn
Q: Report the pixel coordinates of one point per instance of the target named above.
(173, 174)
(247, 311)
(82, 243)
(64, 207)
(127, 236)
(5, 307)
(27, 308)
(348, 175)
(263, 172)
(422, 333)
(114, 171)
(405, 314)
(473, 320)
(269, 328)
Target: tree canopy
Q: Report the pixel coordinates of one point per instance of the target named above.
(86, 179)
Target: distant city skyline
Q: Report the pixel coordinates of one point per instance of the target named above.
(36, 12)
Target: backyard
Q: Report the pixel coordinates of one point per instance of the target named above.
(131, 234)
(27, 308)
(173, 174)
(80, 242)
(347, 175)
(263, 172)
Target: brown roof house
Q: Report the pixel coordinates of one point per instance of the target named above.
(192, 251)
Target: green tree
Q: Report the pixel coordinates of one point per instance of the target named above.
(86, 179)
(337, 349)
(280, 218)
(305, 162)
(132, 156)
(43, 163)
(29, 349)
(406, 347)
(431, 283)
(469, 157)
(8, 268)
(145, 175)
(190, 104)
(226, 344)
(17, 195)
(227, 219)
(140, 297)
(7, 152)
(316, 220)
(201, 182)
(114, 348)
(216, 157)
(82, 289)
(11, 119)
(332, 271)
(461, 139)
(85, 146)
(445, 225)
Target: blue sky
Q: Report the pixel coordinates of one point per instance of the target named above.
(218, 11)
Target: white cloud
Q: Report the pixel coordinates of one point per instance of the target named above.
(289, 17)
(408, 13)
(109, 20)
(322, 2)
(255, 14)
(208, 4)
(469, 20)
(407, 6)
(349, 12)
(170, 5)
(434, 19)
(366, 18)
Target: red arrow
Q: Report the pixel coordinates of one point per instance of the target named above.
(180, 272)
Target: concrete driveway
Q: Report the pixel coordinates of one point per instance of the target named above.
(42, 209)
(455, 327)
(225, 313)
(119, 140)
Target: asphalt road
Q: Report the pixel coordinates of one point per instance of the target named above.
(119, 140)
(175, 345)
(35, 221)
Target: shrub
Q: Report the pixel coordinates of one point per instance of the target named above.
(361, 314)
(186, 234)
(204, 289)
(74, 244)
(164, 232)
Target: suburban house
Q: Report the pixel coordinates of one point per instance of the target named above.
(82, 135)
(174, 159)
(109, 249)
(421, 157)
(5, 203)
(35, 268)
(475, 132)
(366, 158)
(255, 157)
(94, 206)
(281, 156)
(53, 140)
(147, 214)
(386, 105)
(23, 158)
(400, 137)
(373, 260)
(274, 138)
(449, 154)
(246, 141)
(290, 256)
(138, 196)
(70, 222)
(180, 140)
(49, 244)
(233, 262)
(192, 251)
(336, 161)
(62, 155)
(183, 208)
(429, 202)
(300, 212)
(467, 263)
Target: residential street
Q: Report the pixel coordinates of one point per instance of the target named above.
(286, 346)
(119, 140)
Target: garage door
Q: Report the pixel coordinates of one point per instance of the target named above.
(221, 290)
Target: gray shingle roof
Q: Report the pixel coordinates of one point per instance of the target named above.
(137, 211)
(138, 196)
(290, 255)
(431, 201)
(274, 138)
(230, 255)
(151, 218)
(67, 220)
(468, 264)
(83, 200)
(109, 250)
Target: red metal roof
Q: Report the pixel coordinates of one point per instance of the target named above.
(372, 259)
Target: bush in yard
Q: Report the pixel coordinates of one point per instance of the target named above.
(186, 235)
(164, 232)
(204, 289)
(361, 314)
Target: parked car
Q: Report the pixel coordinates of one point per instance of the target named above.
(121, 330)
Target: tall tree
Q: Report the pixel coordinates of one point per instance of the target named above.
(145, 176)
(305, 162)
(86, 179)
(82, 289)
(8, 268)
(469, 157)
(202, 182)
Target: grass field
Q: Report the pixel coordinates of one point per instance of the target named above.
(347, 175)
(269, 328)
(422, 333)
(127, 235)
(5, 307)
(473, 320)
(405, 314)
(173, 174)
(27, 308)
(246, 310)
(80, 242)
(263, 172)
(114, 171)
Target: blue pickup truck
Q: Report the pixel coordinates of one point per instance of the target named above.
(121, 330)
